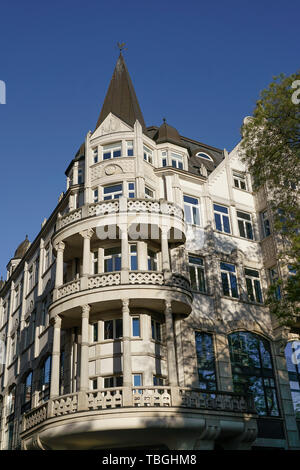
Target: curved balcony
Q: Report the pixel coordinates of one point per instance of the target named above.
(139, 287)
(119, 211)
(98, 418)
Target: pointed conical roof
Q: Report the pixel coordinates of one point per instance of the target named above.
(22, 248)
(120, 98)
(167, 133)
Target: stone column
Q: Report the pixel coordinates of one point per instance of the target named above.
(165, 249)
(59, 264)
(86, 257)
(55, 361)
(171, 354)
(124, 254)
(142, 254)
(84, 358)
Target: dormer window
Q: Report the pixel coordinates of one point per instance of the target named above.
(239, 181)
(148, 155)
(204, 155)
(112, 151)
(176, 161)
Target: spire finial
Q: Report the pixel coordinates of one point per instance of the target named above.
(164, 120)
(121, 46)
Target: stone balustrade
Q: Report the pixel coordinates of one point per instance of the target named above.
(104, 280)
(69, 288)
(113, 206)
(155, 396)
(148, 277)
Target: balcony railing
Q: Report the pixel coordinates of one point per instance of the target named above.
(115, 206)
(96, 281)
(126, 397)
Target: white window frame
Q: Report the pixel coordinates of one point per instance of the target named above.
(265, 220)
(149, 196)
(157, 326)
(136, 317)
(95, 155)
(228, 273)
(129, 147)
(204, 155)
(147, 154)
(198, 266)
(189, 208)
(113, 257)
(222, 215)
(114, 320)
(252, 279)
(95, 193)
(115, 194)
(111, 149)
(245, 222)
(178, 161)
(239, 179)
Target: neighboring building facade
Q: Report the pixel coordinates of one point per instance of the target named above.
(135, 318)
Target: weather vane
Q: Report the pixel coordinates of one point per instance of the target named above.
(121, 46)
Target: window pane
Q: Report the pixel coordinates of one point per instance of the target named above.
(225, 284)
(221, 209)
(119, 328)
(136, 326)
(241, 228)
(226, 224)
(108, 329)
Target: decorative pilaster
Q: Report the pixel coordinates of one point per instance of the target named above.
(142, 254)
(84, 359)
(172, 367)
(60, 247)
(55, 361)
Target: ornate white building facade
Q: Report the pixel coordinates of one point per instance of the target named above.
(135, 318)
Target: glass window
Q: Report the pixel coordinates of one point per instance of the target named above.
(205, 361)
(129, 148)
(10, 437)
(112, 192)
(158, 380)
(30, 279)
(292, 354)
(152, 260)
(253, 285)
(112, 151)
(133, 257)
(17, 297)
(95, 154)
(80, 175)
(95, 195)
(265, 224)
(252, 370)
(196, 267)
(245, 225)
(113, 329)
(191, 210)
(176, 161)
(136, 330)
(149, 194)
(114, 381)
(47, 257)
(11, 400)
(239, 181)
(156, 330)
(148, 155)
(229, 280)
(112, 259)
(204, 155)
(95, 262)
(273, 276)
(26, 401)
(45, 378)
(95, 332)
(94, 384)
(137, 380)
(131, 189)
(164, 158)
(221, 218)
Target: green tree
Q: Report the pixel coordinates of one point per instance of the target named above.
(271, 144)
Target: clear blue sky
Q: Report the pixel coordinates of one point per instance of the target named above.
(200, 64)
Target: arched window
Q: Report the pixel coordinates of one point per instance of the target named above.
(204, 155)
(27, 393)
(292, 354)
(252, 370)
(45, 378)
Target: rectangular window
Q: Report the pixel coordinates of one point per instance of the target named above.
(136, 330)
(112, 192)
(47, 257)
(149, 194)
(152, 260)
(95, 155)
(114, 381)
(266, 228)
(95, 195)
(253, 285)
(95, 332)
(176, 161)
(44, 313)
(158, 380)
(95, 262)
(196, 267)
(205, 361)
(156, 330)
(112, 259)
(94, 384)
(245, 225)
(133, 257)
(131, 190)
(191, 210)
(129, 144)
(229, 280)
(273, 276)
(17, 297)
(137, 380)
(112, 151)
(239, 181)
(30, 279)
(221, 218)
(164, 158)
(113, 329)
(148, 155)
(80, 175)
